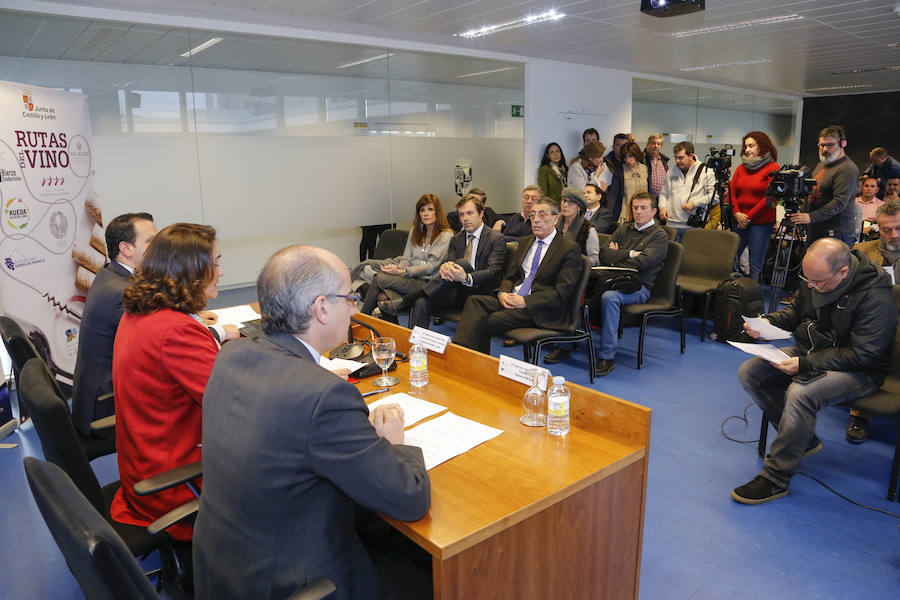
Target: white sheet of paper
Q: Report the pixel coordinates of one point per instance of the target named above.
(890, 271)
(766, 329)
(447, 436)
(414, 409)
(764, 351)
(236, 315)
(333, 364)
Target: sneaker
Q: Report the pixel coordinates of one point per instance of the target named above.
(557, 355)
(814, 446)
(857, 430)
(438, 320)
(757, 491)
(604, 367)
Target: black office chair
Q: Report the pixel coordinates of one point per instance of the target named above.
(708, 260)
(61, 446)
(455, 313)
(578, 328)
(96, 555)
(664, 301)
(391, 243)
(20, 349)
(885, 401)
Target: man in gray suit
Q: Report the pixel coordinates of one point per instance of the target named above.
(290, 449)
(127, 237)
(474, 266)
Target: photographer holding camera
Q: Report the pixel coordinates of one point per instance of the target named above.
(830, 210)
(687, 189)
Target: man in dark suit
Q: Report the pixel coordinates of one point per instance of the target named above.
(127, 236)
(474, 266)
(597, 215)
(290, 450)
(489, 216)
(519, 225)
(535, 291)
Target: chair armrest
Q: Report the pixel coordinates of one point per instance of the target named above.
(169, 479)
(105, 427)
(175, 515)
(314, 590)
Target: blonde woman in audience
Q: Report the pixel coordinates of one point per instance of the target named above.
(425, 250)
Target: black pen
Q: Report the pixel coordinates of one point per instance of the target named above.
(373, 392)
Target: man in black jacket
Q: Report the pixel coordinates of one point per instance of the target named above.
(843, 322)
(474, 265)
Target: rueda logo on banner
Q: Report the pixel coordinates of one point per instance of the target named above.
(51, 232)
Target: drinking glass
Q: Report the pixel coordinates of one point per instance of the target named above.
(534, 404)
(383, 351)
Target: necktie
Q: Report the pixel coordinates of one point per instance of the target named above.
(525, 289)
(467, 255)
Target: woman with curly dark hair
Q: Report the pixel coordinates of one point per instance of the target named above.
(753, 217)
(162, 358)
(553, 173)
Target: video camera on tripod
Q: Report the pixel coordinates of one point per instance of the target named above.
(719, 162)
(789, 186)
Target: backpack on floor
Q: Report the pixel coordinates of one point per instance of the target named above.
(735, 297)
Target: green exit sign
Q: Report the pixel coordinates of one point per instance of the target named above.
(518, 110)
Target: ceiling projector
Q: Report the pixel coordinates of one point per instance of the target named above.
(671, 8)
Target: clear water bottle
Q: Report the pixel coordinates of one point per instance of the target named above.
(418, 365)
(558, 407)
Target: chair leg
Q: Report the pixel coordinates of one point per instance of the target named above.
(526, 352)
(538, 346)
(641, 342)
(706, 299)
(591, 359)
(681, 318)
(895, 471)
(763, 434)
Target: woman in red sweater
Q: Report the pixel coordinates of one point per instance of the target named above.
(162, 358)
(754, 218)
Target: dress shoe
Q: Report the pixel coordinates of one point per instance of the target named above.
(509, 343)
(857, 430)
(393, 307)
(557, 355)
(605, 366)
(438, 320)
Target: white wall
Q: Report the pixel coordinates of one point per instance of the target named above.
(563, 99)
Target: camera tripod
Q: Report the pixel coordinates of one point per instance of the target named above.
(786, 235)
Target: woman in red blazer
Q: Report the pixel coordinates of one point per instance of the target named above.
(162, 358)
(754, 219)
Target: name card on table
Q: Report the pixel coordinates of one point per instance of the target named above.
(521, 371)
(432, 340)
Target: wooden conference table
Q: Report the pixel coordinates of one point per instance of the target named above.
(528, 515)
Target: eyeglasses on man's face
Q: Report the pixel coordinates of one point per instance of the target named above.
(351, 299)
(818, 284)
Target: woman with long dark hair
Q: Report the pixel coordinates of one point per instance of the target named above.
(553, 172)
(754, 218)
(162, 358)
(426, 248)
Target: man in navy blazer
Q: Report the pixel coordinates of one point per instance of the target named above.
(466, 272)
(290, 449)
(127, 237)
(536, 290)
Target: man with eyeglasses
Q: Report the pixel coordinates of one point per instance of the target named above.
(830, 211)
(519, 224)
(291, 452)
(843, 322)
(535, 291)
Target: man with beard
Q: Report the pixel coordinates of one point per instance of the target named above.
(830, 211)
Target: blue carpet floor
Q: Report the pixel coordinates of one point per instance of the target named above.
(698, 543)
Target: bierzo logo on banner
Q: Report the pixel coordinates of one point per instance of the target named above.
(51, 234)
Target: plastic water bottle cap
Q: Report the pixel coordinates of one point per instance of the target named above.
(559, 380)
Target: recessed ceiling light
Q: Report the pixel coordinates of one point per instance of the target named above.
(739, 25)
(838, 87)
(365, 60)
(202, 47)
(867, 70)
(740, 63)
(550, 15)
(487, 72)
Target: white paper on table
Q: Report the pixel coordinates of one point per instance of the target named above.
(332, 364)
(764, 351)
(414, 409)
(447, 436)
(766, 330)
(236, 315)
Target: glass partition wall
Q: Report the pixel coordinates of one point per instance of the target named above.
(274, 141)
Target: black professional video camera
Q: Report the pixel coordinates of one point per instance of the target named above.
(720, 160)
(789, 186)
